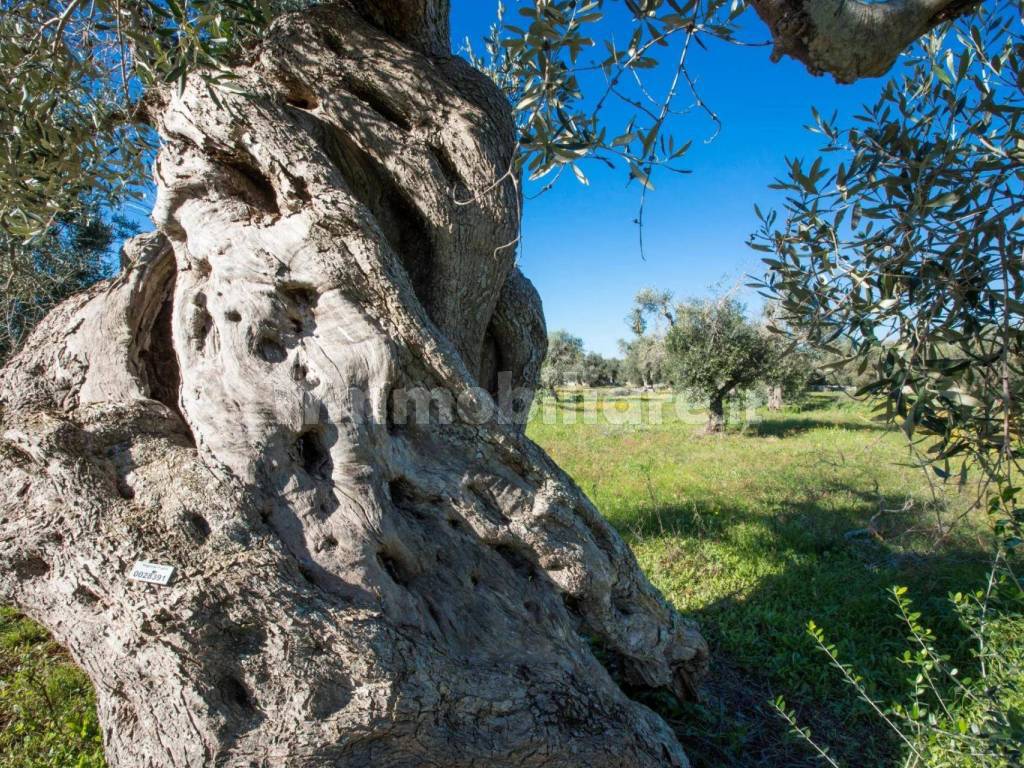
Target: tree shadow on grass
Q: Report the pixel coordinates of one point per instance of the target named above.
(790, 425)
(815, 519)
(824, 401)
(763, 651)
(757, 631)
(735, 725)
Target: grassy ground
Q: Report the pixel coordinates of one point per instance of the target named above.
(760, 530)
(47, 711)
(754, 533)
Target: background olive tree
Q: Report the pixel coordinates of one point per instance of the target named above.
(643, 361)
(600, 371)
(792, 364)
(711, 349)
(716, 352)
(563, 362)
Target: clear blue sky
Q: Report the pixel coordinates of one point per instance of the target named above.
(580, 247)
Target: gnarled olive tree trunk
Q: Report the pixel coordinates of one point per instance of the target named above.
(262, 400)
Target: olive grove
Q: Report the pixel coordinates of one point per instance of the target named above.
(305, 389)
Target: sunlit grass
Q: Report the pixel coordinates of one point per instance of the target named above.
(47, 709)
(810, 513)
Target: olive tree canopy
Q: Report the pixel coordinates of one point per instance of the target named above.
(715, 351)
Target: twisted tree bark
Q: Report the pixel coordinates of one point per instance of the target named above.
(260, 400)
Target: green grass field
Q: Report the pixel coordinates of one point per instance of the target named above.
(754, 533)
(760, 530)
(47, 711)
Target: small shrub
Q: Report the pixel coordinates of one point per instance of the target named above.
(950, 717)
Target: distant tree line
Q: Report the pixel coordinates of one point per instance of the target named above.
(567, 363)
(708, 348)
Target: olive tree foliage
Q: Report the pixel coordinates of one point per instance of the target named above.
(561, 95)
(644, 357)
(651, 303)
(563, 361)
(643, 361)
(543, 60)
(72, 254)
(72, 98)
(567, 363)
(715, 351)
(600, 371)
(791, 364)
(789, 370)
(899, 250)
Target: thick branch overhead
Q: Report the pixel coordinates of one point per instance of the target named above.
(852, 39)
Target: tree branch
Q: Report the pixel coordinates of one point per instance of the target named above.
(849, 38)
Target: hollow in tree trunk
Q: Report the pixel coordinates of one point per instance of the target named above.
(288, 395)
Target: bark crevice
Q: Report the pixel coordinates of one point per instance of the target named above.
(388, 204)
(158, 359)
